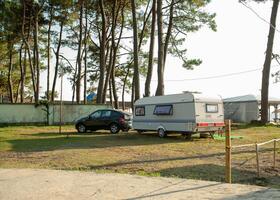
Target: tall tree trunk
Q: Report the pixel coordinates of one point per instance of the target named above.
(37, 58)
(114, 46)
(74, 84)
(108, 74)
(169, 32)
(114, 88)
(17, 92)
(160, 86)
(136, 80)
(22, 73)
(85, 46)
(57, 60)
(49, 52)
(110, 92)
(109, 69)
(132, 94)
(28, 46)
(123, 88)
(267, 62)
(102, 57)
(10, 82)
(151, 51)
(79, 58)
(146, 18)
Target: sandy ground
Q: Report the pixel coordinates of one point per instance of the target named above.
(53, 184)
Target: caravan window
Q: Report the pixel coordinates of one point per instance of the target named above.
(211, 108)
(140, 111)
(163, 110)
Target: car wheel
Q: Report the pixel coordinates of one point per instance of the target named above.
(161, 133)
(125, 130)
(81, 128)
(114, 128)
(140, 131)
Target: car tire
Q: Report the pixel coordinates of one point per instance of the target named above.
(114, 128)
(140, 131)
(125, 130)
(81, 128)
(162, 133)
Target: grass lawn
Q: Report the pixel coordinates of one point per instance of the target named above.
(146, 154)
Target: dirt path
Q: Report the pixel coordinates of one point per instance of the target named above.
(51, 184)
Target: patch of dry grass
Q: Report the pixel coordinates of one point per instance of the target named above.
(146, 154)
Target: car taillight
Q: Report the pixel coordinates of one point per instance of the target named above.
(121, 120)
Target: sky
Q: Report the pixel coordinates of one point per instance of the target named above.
(238, 45)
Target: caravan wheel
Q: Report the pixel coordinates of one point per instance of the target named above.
(161, 133)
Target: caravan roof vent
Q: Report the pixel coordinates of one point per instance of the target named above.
(192, 92)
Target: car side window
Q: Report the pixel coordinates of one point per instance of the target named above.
(95, 115)
(115, 114)
(106, 113)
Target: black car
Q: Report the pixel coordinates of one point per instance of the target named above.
(108, 119)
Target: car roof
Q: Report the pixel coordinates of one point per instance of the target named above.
(116, 110)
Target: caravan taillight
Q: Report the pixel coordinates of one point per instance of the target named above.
(202, 124)
(206, 124)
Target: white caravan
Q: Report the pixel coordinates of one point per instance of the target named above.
(186, 113)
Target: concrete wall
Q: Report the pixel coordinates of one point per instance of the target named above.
(28, 113)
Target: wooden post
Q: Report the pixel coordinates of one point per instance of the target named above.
(257, 159)
(228, 151)
(274, 154)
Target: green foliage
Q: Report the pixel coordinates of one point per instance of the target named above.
(189, 16)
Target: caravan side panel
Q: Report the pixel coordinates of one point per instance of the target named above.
(181, 119)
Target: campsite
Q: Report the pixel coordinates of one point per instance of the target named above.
(150, 99)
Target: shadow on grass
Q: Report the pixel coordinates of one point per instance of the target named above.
(211, 172)
(56, 141)
(66, 133)
(178, 158)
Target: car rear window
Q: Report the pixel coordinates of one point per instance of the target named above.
(163, 110)
(116, 114)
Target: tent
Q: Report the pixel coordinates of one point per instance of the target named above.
(246, 108)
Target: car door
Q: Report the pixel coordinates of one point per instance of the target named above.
(95, 121)
(106, 118)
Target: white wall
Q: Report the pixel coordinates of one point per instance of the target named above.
(28, 113)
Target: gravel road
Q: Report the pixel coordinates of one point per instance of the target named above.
(21, 184)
